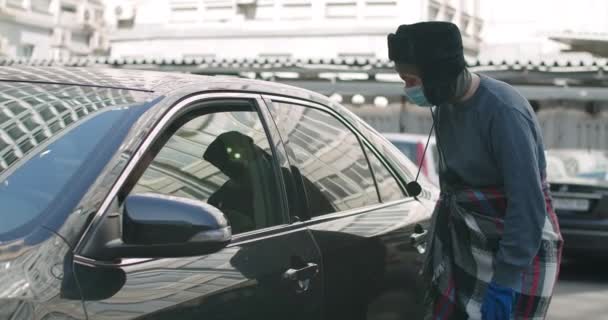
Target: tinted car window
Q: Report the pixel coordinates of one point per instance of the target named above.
(387, 185)
(54, 139)
(33, 113)
(329, 157)
(42, 179)
(221, 158)
(397, 160)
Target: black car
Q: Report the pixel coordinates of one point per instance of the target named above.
(141, 195)
(580, 200)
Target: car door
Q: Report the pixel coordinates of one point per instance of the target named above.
(370, 233)
(219, 150)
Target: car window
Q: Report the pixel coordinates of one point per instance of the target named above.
(407, 148)
(37, 187)
(54, 141)
(397, 160)
(223, 159)
(334, 169)
(387, 185)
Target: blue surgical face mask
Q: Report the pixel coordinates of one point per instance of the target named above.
(416, 95)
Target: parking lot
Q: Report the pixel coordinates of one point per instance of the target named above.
(582, 292)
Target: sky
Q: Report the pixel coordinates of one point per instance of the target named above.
(528, 23)
(513, 20)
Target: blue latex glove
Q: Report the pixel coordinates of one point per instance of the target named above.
(497, 303)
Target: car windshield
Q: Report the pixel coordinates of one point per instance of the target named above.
(596, 175)
(576, 163)
(54, 171)
(555, 168)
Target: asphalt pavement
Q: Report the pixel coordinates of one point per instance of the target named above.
(582, 291)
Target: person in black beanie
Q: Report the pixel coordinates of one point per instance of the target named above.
(495, 247)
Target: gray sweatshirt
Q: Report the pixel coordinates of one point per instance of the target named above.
(494, 139)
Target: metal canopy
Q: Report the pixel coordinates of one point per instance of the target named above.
(388, 89)
(537, 80)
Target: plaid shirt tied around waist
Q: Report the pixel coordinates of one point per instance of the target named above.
(465, 233)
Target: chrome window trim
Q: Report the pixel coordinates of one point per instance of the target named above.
(356, 211)
(174, 111)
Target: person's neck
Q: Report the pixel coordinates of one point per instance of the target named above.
(473, 86)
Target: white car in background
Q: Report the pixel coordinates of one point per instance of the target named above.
(581, 162)
(580, 197)
(412, 145)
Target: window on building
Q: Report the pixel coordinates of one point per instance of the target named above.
(125, 24)
(450, 14)
(221, 158)
(380, 9)
(265, 10)
(466, 24)
(68, 8)
(328, 156)
(478, 27)
(16, 3)
(80, 38)
(99, 15)
(219, 10)
(41, 5)
(125, 16)
(183, 11)
(296, 10)
(25, 50)
(86, 16)
(434, 10)
(247, 9)
(341, 9)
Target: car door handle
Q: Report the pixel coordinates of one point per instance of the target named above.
(306, 273)
(418, 239)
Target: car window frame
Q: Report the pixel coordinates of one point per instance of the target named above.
(363, 141)
(391, 160)
(177, 111)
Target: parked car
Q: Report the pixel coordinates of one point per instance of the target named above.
(580, 201)
(413, 145)
(578, 183)
(142, 195)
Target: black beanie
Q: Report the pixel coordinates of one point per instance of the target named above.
(434, 47)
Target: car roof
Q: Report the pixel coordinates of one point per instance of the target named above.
(408, 137)
(159, 83)
(39, 102)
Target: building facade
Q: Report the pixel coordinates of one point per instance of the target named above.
(52, 29)
(276, 28)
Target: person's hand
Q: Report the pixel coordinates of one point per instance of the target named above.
(497, 303)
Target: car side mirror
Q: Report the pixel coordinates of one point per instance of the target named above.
(159, 226)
